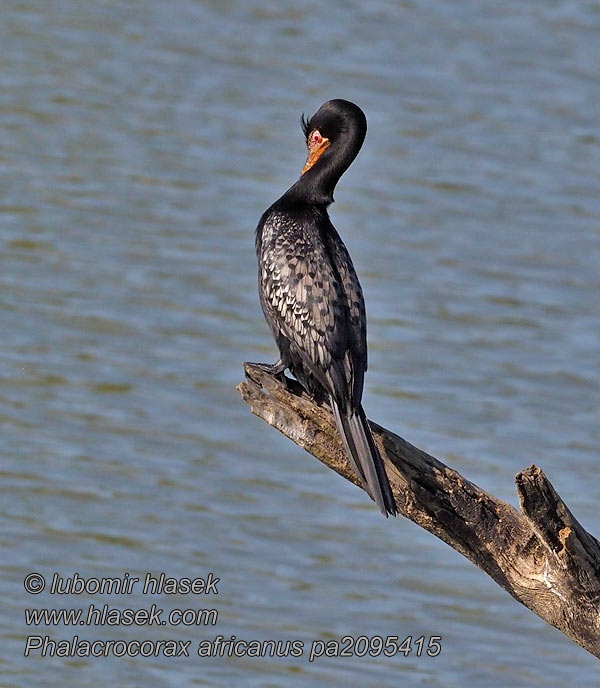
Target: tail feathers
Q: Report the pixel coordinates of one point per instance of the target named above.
(364, 457)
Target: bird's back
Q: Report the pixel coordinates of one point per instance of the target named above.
(312, 298)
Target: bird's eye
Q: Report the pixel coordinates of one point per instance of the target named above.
(316, 137)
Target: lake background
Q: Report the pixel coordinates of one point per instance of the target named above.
(139, 144)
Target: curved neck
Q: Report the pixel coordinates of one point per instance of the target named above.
(317, 185)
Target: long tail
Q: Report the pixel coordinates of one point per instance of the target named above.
(364, 457)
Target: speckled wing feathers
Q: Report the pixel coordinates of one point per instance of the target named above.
(313, 303)
(306, 297)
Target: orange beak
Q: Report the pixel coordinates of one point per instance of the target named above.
(315, 151)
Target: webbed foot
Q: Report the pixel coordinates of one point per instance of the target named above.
(276, 369)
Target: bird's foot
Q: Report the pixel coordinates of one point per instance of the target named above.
(275, 369)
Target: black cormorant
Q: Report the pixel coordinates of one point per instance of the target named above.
(310, 294)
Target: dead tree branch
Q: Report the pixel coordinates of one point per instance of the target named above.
(540, 555)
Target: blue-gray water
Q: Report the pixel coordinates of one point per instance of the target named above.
(139, 144)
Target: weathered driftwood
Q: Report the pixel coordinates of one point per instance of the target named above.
(540, 555)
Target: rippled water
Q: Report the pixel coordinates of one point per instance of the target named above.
(139, 144)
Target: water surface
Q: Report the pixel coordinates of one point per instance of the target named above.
(139, 144)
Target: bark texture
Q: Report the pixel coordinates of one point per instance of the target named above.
(540, 555)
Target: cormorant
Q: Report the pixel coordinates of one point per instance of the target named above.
(311, 296)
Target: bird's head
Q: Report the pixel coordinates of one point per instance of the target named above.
(334, 135)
